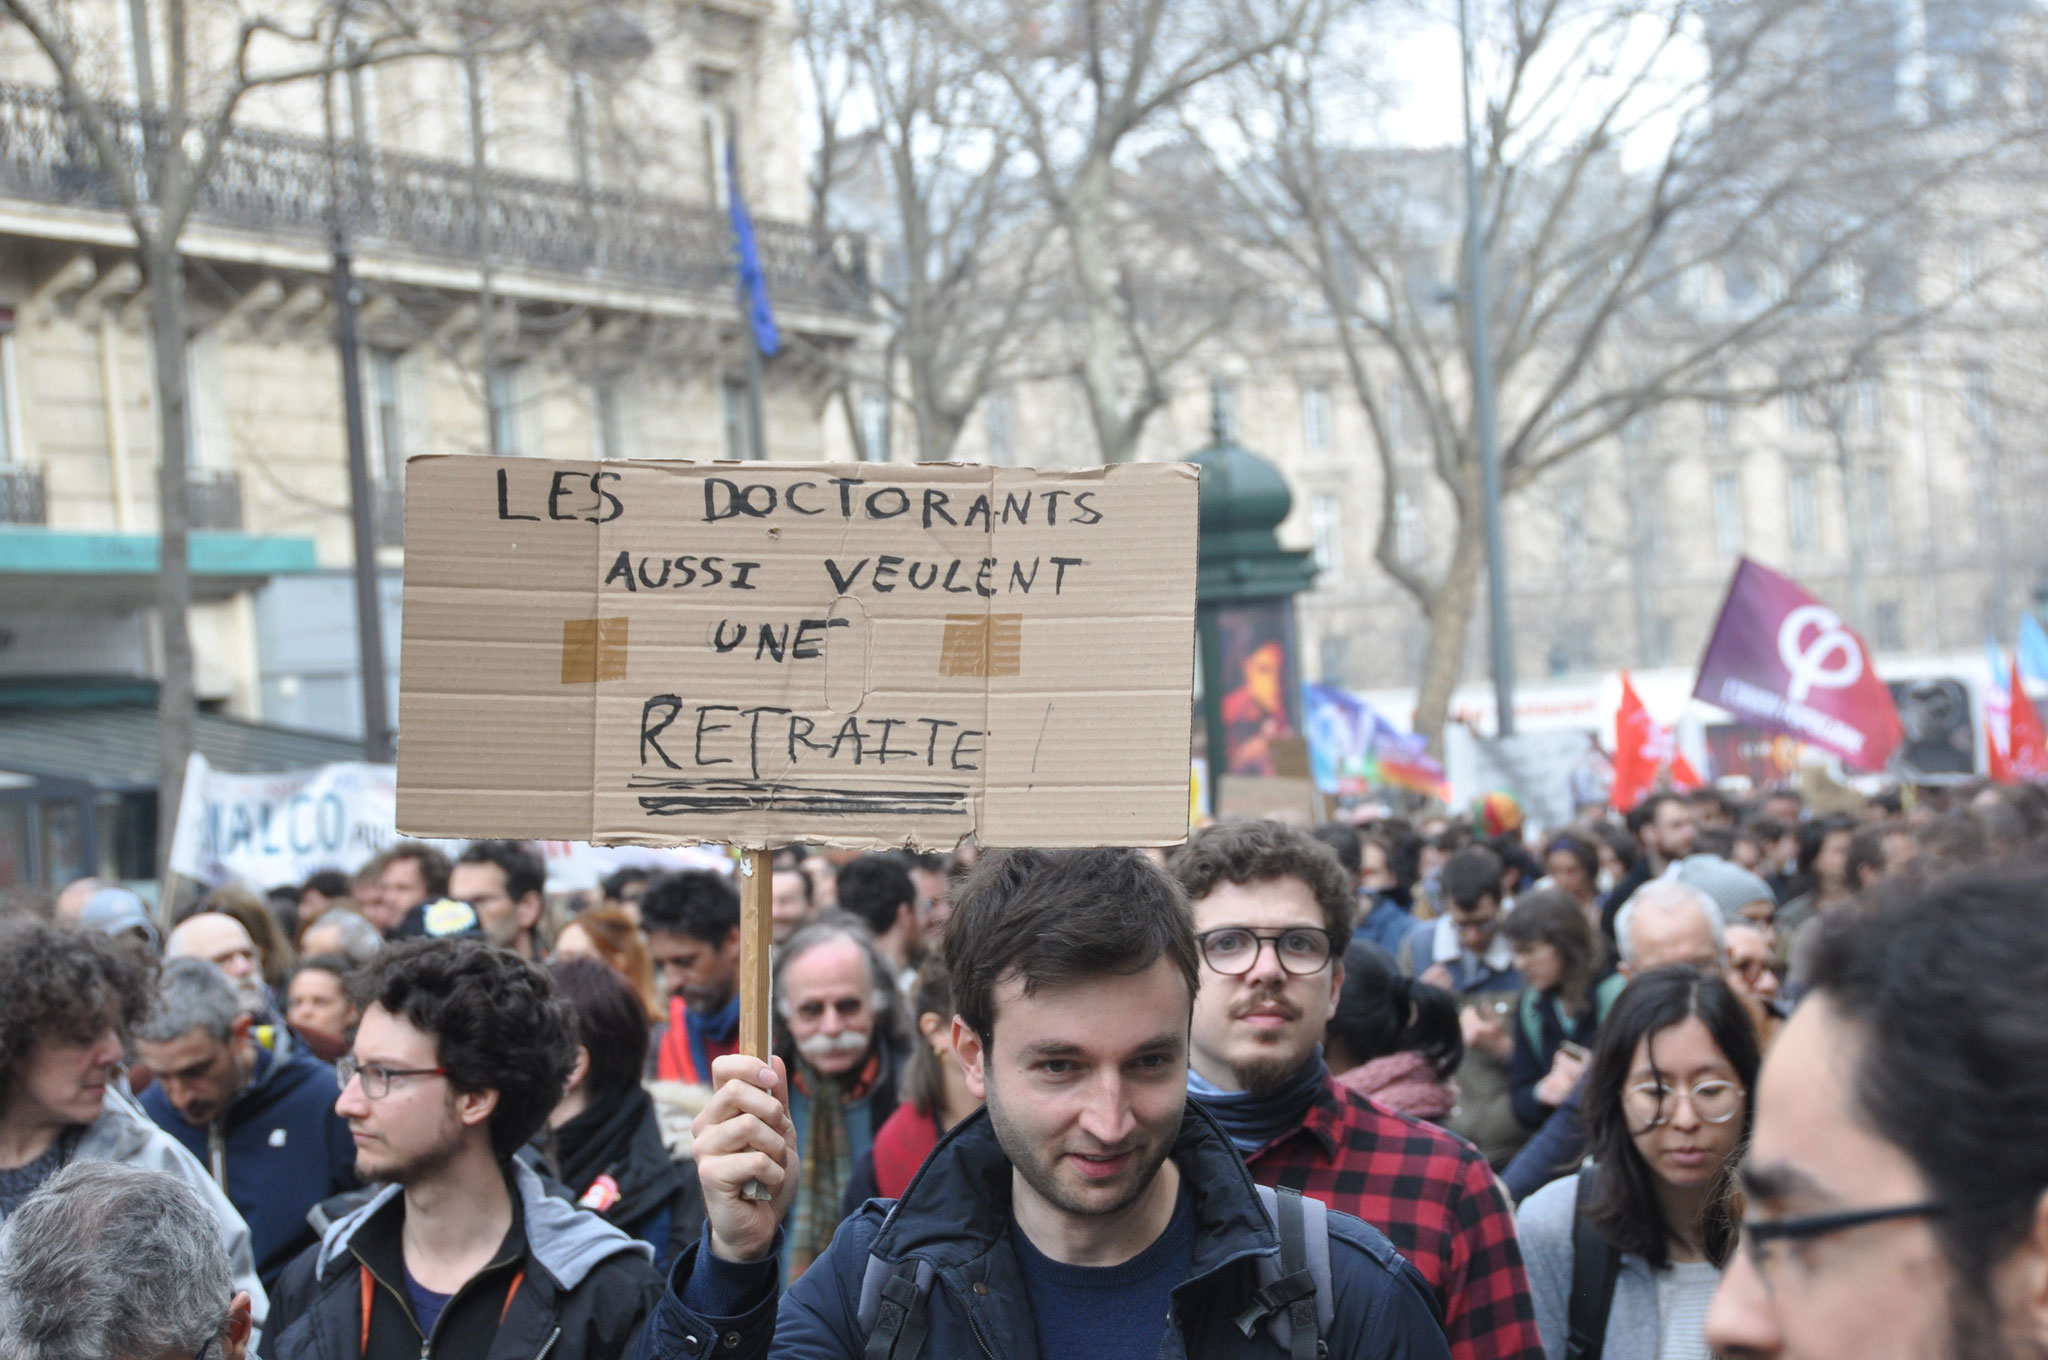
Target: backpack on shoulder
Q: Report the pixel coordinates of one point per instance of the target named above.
(1294, 1300)
(1596, 1266)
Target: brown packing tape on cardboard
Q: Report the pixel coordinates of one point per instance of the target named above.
(848, 655)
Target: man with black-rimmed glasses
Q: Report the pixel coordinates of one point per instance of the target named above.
(462, 1052)
(1273, 909)
(1896, 1183)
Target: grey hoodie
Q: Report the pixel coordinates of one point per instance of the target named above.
(565, 1239)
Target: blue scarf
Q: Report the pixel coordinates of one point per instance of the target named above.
(1252, 1121)
(719, 1027)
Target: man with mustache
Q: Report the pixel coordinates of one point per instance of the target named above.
(842, 1038)
(1273, 911)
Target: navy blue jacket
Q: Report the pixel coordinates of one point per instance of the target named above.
(956, 1215)
(1555, 1151)
(284, 1147)
(1386, 925)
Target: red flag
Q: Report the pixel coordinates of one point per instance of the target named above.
(2027, 757)
(1782, 660)
(2001, 761)
(1644, 750)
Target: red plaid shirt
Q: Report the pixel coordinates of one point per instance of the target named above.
(1434, 1196)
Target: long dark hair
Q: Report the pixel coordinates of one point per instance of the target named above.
(1554, 917)
(1382, 1011)
(1813, 838)
(1625, 1208)
(923, 1084)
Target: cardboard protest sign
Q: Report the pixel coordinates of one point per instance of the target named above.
(857, 656)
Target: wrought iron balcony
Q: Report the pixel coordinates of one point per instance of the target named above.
(213, 498)
(280, 184)
(22, 500)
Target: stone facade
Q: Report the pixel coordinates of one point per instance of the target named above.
(614, 328)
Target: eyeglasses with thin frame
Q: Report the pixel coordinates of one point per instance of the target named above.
(377, 1078)
(1652, 1104)
(1234, 950)
(1760, 1238)
(1750, 970)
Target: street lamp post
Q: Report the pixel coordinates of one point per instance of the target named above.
(1501, 641)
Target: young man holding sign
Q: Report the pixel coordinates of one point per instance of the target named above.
(1085, 1211)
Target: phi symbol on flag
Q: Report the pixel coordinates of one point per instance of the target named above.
(1807, 661)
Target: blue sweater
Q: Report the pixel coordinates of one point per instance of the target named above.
(1109, 1312)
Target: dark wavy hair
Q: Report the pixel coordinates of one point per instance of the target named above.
(924, 1073)
(1625, 1208)
(1052, 917)
(694, 902)
(1554, 917)
(1258, 852)
(496, 1020)
(875, 888)
(1578, 845)
(1948, 983)
(611, 1023)
(1383, 1011)
(64, 985)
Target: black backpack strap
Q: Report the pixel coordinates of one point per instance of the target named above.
(1596, 1265)
(1289, 1295)
(1301, 1308)
(901, 1308)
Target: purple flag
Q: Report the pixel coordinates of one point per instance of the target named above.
(1781, 659)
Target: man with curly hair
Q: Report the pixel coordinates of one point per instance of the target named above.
(1273, 912)
(462, 1052)
(69, 999)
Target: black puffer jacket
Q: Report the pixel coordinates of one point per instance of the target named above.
(956, 1216)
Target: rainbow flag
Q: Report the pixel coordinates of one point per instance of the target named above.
(1352, 747)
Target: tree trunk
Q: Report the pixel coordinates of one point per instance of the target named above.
(1102, 326)
(165, 280)
(1449, 612)
(938, 426)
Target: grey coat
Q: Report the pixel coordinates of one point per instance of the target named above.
(123, 1133)
(1544, 1223)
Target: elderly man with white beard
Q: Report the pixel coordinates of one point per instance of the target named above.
(840, 1032)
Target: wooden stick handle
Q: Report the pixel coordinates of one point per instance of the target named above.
(757, 938)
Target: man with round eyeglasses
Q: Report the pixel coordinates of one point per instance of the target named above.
(1273, 909)
(462, 1052)
(1896, 1185)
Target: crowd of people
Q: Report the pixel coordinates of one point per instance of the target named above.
(1708, 1078)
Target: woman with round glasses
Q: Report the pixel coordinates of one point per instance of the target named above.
(1641, 1234)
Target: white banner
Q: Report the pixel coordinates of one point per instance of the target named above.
(272, 829)
(268, 830)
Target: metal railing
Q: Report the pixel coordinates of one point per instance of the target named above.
(22, 499)
(213, 498)
(280, 184)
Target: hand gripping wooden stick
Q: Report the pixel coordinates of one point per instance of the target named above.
(757, 937)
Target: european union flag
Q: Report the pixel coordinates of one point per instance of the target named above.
(753, 280)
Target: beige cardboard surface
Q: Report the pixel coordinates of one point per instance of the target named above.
(854, 655)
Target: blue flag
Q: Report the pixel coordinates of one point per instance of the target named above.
(2033, 649)
(753, 280)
